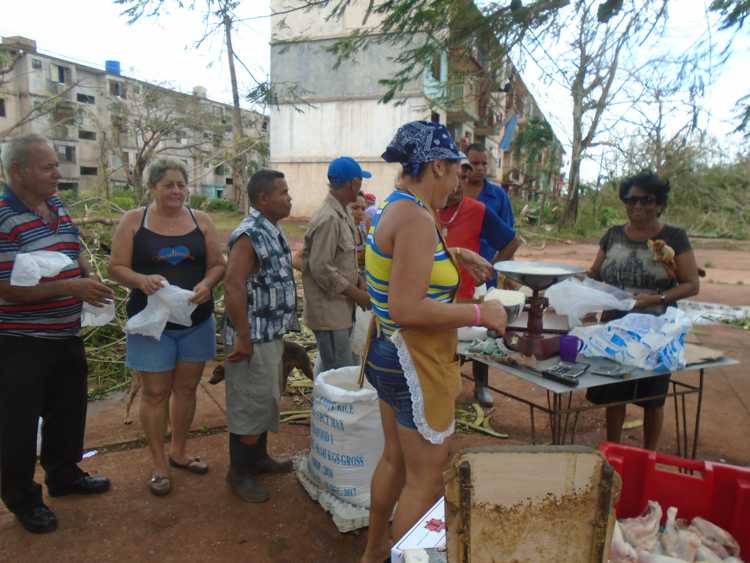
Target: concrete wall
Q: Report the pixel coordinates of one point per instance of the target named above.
(302, 144)
(310, 67)
(308, 183)
(314, 23)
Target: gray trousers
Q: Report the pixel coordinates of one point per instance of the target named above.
(335, 348)
(252, 390)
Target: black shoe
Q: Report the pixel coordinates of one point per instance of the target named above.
(265, 463)
(244, 486)
(38, 519)
(483, 396)
(85, 485)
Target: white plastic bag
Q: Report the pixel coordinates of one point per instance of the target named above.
(91, 315)
(30, 267)
(362, 320)
(169, 304)
(645, 341)
(576, 299)
(346, 435)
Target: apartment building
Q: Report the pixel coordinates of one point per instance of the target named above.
(105, 126)
(325, 111)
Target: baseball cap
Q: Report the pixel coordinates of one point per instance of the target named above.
(345, 169)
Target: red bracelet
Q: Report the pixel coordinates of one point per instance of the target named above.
(477, 315)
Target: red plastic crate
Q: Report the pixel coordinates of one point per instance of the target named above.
(717, 492)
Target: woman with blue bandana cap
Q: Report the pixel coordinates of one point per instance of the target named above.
(411, 354)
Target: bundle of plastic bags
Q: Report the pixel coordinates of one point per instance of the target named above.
(576, 299)
(30, 267)
(169, 304)
(649, 342)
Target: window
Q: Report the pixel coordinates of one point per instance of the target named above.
(229, 181)
(86, 99)
(220, 170)
(264, 127)
(117, 89)
(65, 153)
(65, 186)
(60, 74)
(87, 135)
(2, 107)
(89, 171)
(36, 64)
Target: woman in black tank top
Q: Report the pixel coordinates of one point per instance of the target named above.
(166, 241)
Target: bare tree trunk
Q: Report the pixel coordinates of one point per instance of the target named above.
(238, 168)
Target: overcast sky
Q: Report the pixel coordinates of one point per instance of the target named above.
(161, 50)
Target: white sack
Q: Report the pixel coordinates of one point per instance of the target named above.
(644, 341)
(30, 267)
(169, 304)
(576, 299)
(91, 315)
(346, 435)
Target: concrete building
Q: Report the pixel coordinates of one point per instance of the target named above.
(100, 122)
(324, 112)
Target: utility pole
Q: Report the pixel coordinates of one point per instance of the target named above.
(238, 160)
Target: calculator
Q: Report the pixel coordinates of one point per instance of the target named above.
(566, 373)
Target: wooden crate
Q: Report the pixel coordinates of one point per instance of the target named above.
(530, 504)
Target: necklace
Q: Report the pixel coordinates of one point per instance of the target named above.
(445, 224)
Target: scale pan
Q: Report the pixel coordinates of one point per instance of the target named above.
(537, 275)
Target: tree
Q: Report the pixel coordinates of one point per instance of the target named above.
(155, 121)
(55, 105)
(218, 15)
(734, 13)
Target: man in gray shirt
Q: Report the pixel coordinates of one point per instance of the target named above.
(330, 278)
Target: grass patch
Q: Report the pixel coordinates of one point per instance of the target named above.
(744, 324)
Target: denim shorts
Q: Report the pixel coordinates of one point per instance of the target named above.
(383, 371)
(195, 344)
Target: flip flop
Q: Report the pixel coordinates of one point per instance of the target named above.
(159, 485)
(194, 465)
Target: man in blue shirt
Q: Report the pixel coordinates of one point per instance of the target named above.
(495, 199)
(492, 195)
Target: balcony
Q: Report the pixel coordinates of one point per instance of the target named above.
(58, 89)
(462, 103)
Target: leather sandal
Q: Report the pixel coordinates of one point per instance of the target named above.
(159, 485)
(194, 465)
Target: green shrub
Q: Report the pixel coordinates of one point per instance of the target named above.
(220, 205)
(197, 201)
(123, 201)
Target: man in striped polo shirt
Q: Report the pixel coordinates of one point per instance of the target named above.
(43, 369)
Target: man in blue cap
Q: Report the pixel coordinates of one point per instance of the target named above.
(330, 278)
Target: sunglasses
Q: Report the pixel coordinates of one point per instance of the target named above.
(643, 200)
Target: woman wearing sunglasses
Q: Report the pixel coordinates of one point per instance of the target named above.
(654, 262)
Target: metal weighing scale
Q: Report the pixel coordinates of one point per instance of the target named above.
(538, 276)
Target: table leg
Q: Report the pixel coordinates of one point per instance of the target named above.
(698, 416)
(533, 427)
(676, 418)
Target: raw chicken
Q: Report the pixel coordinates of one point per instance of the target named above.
(621, 551)
(705, 555)
(679, 542)
(642, 532)
(715, 538)
(645, 557)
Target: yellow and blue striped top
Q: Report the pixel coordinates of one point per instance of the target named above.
(443, 278)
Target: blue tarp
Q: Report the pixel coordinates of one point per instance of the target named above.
(510, 128)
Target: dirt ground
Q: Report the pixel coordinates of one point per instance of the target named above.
(202, 521)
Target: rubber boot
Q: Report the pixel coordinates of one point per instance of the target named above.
(265, 463)
(481, 392)
(242, 458)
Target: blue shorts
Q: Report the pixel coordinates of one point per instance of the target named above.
(383, 371)
(195, 344)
